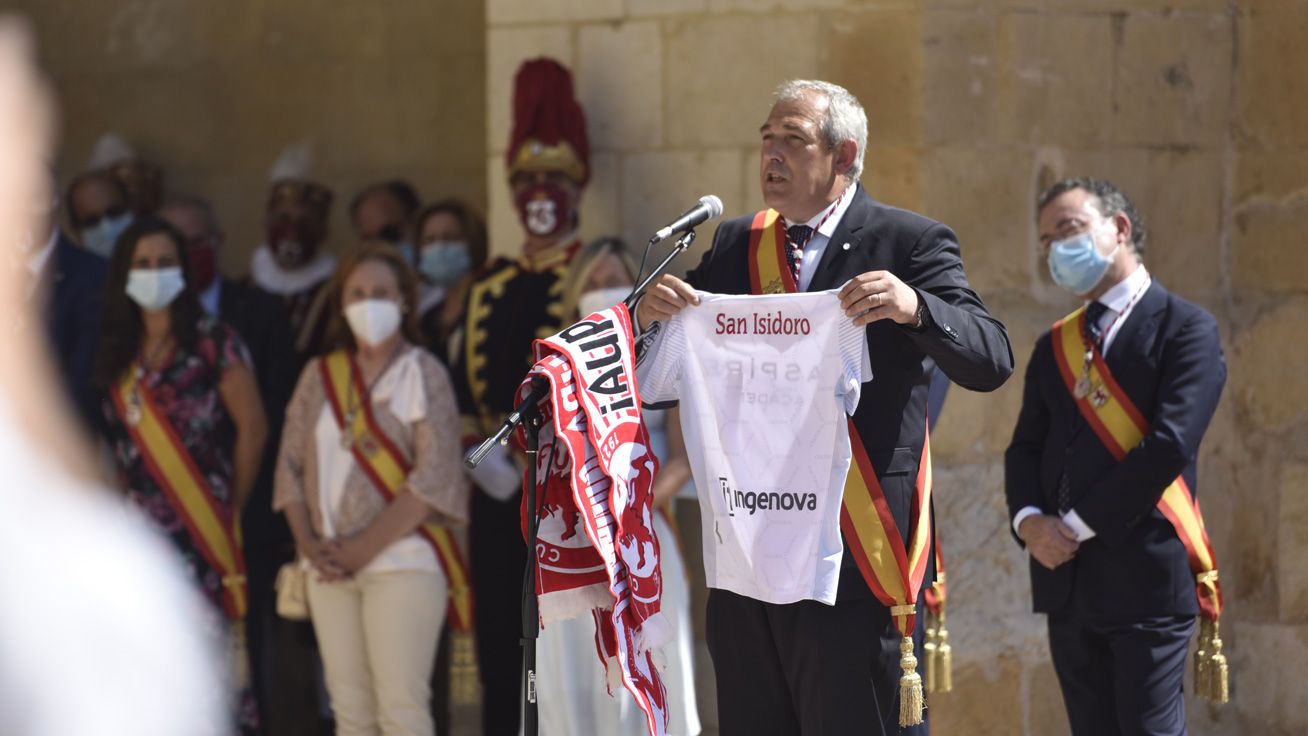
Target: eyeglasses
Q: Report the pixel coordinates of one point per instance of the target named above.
(113, 213)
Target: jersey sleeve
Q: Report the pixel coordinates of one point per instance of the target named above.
(660, 354)
(855, 363)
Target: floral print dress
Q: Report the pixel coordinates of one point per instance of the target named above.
(185, 388)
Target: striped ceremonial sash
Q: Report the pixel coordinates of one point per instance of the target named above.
(1122, 427)
(892, 571)
(388, 470)
(215, 532)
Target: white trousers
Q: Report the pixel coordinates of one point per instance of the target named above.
(378, 635)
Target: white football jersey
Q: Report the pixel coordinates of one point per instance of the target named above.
(765, 384)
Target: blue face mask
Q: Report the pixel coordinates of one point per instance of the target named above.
(101, 238)
(444, 262)
(406, 249)
(1076, 264)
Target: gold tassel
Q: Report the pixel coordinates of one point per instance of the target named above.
(464, 679)
(1202, 686)
(910, 686)
(929, 652)
(1219, 687)
(944, 657)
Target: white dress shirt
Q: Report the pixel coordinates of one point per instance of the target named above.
(813, 250)
(1119, 300)
(817, 244)
(37, 261)
(212, 296)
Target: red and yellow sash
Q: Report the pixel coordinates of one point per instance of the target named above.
(1121, 427)
(893, 572)
(388, 470)
(214, 530)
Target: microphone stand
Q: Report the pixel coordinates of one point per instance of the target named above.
(528, 414)
(530, 603)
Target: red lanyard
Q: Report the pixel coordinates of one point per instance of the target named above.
(834, 206)
(1140, 290)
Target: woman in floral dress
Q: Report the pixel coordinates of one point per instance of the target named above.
(184, 421)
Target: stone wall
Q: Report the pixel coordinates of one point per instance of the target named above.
(1196, 108)
(213, 90)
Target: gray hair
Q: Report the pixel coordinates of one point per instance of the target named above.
(843, 121)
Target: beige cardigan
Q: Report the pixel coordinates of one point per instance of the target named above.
(431, 445)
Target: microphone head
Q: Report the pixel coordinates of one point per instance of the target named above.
(713, 204)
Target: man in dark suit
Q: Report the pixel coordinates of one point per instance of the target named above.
(809, 667)
(1107, 566)
(71, 279)
(260, 319)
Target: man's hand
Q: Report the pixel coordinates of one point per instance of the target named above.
(876, 295)
(664, 298)
(1050, 541)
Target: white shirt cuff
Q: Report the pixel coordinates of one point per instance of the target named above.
(1083, 530)
(1021, 515)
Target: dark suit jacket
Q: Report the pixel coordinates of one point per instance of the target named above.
(963, 340)
(260, 319)
(75, 278)
(1167, 357)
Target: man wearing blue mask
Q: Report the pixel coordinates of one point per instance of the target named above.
(1100, 475)
(99, 210)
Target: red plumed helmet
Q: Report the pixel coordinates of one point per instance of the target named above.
(549, 127)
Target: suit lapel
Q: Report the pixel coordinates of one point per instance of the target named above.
(1133, 338)
(847, 231)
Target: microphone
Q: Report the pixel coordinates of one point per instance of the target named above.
(708, 208)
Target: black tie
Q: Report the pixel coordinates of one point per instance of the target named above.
(1094, 313)
(798, 236)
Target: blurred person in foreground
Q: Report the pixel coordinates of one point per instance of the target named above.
(574, 696)
(184, 419)
(260, 320)
(96, 616)
(384, 211)
(511, 302)
(451, 240)
(370, 481)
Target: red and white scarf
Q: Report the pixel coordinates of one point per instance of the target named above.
(596, 467)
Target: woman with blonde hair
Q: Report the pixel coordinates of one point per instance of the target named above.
(370, 481)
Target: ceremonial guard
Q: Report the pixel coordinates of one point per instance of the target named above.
(142, 180)
(290, 263)
(511, 302)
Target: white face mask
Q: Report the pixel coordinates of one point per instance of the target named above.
(155, 288)
(596, 299)
(373, 321)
